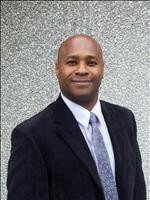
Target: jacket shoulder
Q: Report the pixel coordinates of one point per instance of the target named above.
(38, 120)
(122, 115)
(115, 108)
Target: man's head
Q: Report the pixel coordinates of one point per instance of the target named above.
(80, 68)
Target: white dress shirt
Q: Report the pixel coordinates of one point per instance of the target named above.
(82, 116)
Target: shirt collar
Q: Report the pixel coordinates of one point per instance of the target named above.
(81, 114)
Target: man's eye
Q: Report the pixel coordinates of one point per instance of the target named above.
(92, 63)
(71, 62)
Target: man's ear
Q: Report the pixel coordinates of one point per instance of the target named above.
(56, 68)
(103, 68)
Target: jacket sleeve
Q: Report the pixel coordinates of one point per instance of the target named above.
(140, 187)
(27, 175)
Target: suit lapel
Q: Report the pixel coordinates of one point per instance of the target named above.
(116, 139)
(69, 131)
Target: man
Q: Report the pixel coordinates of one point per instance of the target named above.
(78, 148)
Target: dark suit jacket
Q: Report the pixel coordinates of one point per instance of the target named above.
(50, 159)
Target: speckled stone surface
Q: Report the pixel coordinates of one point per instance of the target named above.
(31, 34)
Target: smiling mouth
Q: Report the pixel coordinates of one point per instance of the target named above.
(82, 83)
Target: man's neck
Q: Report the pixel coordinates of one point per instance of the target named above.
(87, 104)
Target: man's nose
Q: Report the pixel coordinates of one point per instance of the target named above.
(82, 69)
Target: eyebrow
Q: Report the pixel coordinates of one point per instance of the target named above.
(87, 57)
(72, 57)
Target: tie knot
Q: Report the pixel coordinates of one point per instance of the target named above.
(93, 119)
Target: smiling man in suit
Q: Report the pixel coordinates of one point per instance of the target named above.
(79, 147)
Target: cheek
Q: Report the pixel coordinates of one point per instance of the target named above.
(63, 76)
(66, 74)
(98, 74)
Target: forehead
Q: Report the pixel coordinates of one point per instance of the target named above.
(80, 46)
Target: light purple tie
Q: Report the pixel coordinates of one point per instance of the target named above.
(103, 161)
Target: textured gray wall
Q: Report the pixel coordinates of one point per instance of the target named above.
(31, 33)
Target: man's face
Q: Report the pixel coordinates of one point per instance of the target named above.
(80, 69)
